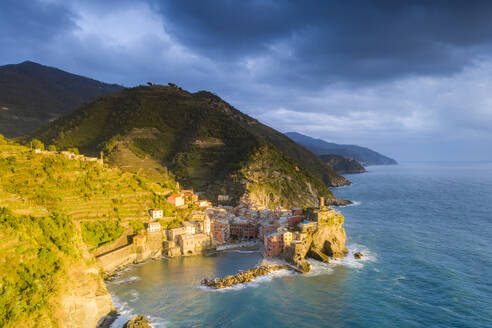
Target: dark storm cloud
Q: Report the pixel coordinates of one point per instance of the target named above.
(411, 79)
(25, 24)
(333, 40)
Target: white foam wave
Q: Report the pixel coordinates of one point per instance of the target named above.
(321, 268)
(134, 294)
(240, 251)
(354, 203)
(351, 262)
(126, 312)
(123, 281)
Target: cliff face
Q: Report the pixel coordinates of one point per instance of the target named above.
(272, 179)
(325, 241)
(85, 300)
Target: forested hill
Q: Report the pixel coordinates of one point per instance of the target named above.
(362, 155)
(206, 143)
(32, 94)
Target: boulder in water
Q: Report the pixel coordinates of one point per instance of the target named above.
(138, 321)
(358, 255)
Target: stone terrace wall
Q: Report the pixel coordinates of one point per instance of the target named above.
(120, 257)
(123, 240)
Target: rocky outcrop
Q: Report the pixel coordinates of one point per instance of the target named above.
(84, 299)
(138, 321)
(243, 277)
(358, 255)
(338, 202)
(325, 242)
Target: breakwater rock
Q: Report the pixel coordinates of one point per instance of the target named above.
(243, 277)
(138, 321)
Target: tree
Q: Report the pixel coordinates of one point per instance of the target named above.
(2, 140)
(52, 148)
(37, 144)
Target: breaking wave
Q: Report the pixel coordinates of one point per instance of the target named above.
(126, 312)
(124, 281)
(320, 268)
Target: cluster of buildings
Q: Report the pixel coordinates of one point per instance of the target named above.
(278, 229)
(70, 155)
(184, 197)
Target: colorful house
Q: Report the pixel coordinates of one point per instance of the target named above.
(176, 199)
(220, 231)
(276, 242)
(294, 220)
(242, 229)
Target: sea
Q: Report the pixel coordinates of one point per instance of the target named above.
(425, 230)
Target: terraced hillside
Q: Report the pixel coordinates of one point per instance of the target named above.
(53, 210)
(207, 144)
(38, 184)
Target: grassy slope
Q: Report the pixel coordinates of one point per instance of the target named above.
(205, 142)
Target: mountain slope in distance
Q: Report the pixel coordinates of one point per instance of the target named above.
(363, 155)
(32, 94)
(205, 143)
(343, 165)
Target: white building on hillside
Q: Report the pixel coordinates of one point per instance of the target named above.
(155, 214)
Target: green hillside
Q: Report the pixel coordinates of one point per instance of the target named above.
(205, 142)
(52, 210)
(37, 184)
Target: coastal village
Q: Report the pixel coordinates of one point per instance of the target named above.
(276, 232)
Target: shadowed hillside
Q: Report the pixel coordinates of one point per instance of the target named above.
(32, 94)
(363, 155)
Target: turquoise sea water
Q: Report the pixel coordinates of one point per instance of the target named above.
(426, 229)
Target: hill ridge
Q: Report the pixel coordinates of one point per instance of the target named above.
(364, 155)
(205, 142)
(31, 95)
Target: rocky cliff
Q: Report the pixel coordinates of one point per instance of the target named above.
(84, 300)
(325, 241)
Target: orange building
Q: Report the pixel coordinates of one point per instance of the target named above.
(176, 199)
(276, 242)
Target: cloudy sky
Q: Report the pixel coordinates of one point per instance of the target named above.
(412, 80)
